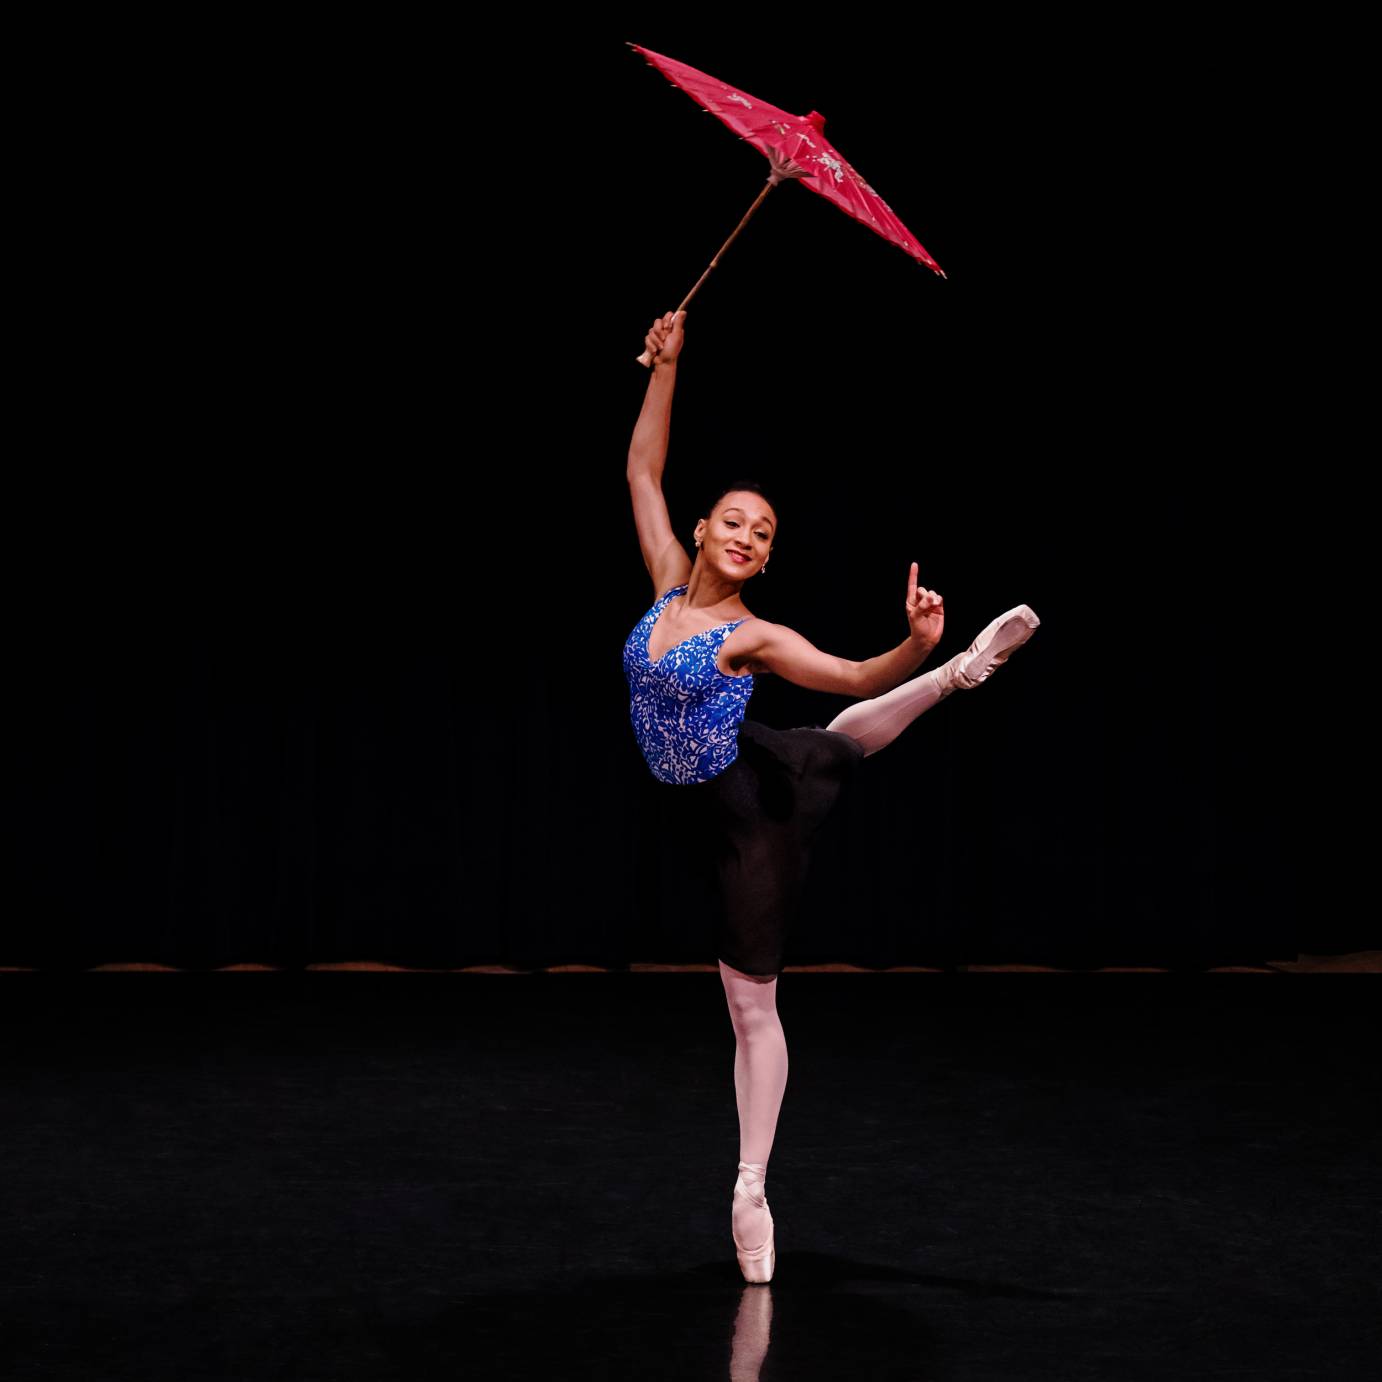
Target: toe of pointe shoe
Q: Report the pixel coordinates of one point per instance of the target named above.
(996, 644)
(756, 1264)
(1012, 627)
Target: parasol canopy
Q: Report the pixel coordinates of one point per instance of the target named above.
(797, 150)
(800, 138)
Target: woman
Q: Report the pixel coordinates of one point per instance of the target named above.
(690, 663)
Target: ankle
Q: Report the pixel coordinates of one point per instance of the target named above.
(753, 1176)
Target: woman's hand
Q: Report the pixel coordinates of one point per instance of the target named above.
(925, 612)
(665, 337)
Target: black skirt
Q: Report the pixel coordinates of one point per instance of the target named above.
(759, 817)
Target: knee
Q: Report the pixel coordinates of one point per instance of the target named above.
(752, 1024)
(752, 1000)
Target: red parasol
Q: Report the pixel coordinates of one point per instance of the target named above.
(797, 149)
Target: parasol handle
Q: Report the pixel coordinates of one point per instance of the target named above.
(776, 176)
(646, 359)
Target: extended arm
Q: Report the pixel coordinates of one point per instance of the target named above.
(768, 647)
(775, 648)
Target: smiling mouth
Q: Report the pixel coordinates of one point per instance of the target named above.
(739, 557)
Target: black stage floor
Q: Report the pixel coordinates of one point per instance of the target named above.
(975, 1177)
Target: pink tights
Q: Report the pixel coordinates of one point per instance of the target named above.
(877, 722)
(760, 1077)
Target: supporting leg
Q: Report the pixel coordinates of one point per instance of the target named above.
(760, 1079)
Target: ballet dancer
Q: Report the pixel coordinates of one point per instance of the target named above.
(690, 664)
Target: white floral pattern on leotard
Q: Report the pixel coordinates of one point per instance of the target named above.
(686, 712)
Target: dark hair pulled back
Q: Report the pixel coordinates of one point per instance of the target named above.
(754, 487)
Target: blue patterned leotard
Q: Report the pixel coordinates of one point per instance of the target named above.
(685, 711)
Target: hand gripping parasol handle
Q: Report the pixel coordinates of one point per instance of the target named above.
(783, 168)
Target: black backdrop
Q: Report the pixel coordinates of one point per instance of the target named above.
(321, 559)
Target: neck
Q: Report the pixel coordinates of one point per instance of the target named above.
(705, 589)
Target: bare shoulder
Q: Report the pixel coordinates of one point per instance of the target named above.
(740, 651)
(672, 568)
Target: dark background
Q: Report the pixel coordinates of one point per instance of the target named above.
(321, 558)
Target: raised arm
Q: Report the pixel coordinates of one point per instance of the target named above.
(665, 557)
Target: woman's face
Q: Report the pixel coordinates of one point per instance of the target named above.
(739, 534)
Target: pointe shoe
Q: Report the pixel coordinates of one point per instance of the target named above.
(994, 646)
(755, 1263)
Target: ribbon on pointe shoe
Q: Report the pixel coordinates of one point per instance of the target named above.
(760, 1170)
(752, 1174)
(756, 1264)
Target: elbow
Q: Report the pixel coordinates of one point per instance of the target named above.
(858, 683)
